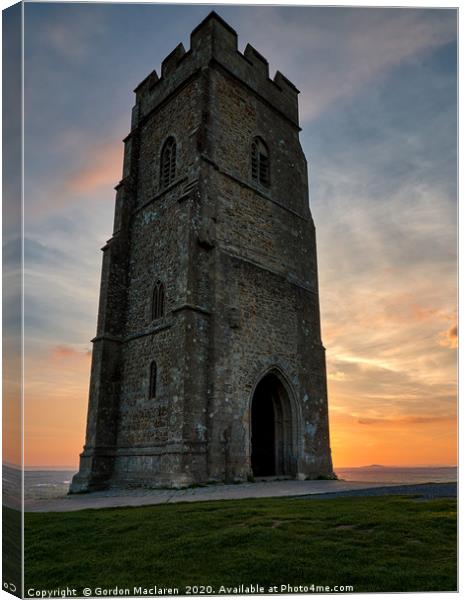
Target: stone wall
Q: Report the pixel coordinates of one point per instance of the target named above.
(265, 276)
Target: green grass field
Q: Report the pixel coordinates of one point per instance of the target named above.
(373, 544)
(11, 546)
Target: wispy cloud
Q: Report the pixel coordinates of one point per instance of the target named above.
(70, 33)
(101, 169)
(449, 338)
(68, 352)
(333, 53)
(407, 420)
(92, 170)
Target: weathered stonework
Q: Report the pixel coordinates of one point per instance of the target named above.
(241, 380)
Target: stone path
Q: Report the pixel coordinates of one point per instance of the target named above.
(260, 489)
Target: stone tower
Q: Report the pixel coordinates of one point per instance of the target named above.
(208, 363)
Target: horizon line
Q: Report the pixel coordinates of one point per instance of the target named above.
(76, 467)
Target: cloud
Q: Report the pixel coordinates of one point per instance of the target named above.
(387, 249)
(70, 35)
(36, 253)
(101, 170)
(333, 53)
(421, 313)
(407, 420)
(449, 338)
(68, 352)
(337, 376)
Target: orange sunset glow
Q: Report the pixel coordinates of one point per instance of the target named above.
(380, 138)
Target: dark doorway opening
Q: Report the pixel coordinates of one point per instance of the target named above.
(273, 429)
(263, 430)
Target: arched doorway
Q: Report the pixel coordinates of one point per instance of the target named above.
(272, 430)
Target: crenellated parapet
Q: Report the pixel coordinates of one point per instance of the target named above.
(214, 43)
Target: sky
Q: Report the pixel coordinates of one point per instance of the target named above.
(378, 117)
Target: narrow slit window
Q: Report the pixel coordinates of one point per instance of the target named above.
(260, 168)
(153, 378)
(158, 301)
(168, 162)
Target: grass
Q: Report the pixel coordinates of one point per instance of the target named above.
(11, 546)
(373, 544)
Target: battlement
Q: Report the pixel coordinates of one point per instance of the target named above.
(214, 43)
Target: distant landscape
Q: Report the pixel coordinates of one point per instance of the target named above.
(42, 482)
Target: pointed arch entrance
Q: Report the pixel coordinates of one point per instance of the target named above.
(273, 429)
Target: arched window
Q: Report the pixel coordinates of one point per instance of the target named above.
(260, 171)
(168, 162)
(153, 376)
(158, 301)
